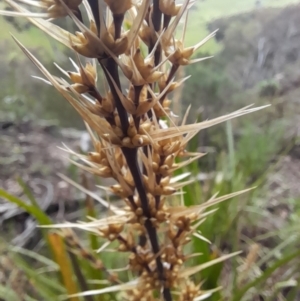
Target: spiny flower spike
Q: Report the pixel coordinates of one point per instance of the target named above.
(136, 142)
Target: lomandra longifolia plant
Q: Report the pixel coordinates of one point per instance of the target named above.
(137, 140)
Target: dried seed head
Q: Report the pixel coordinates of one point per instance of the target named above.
(108, 105)
(56, 9)
(169, 160)
(145, 127)
(120, 191)
(168, 190)
(183, 223)
(165, 181)
(161, 216)
(139, 212)
(190, 291)
(87, 43)
(118, 7)
(146, 34)
(155, 167)
(140, 140)
(132, 131)
(95, 157)
(126, 142)
(122, 248)
(181, 55)
(118, 131)
(169, 7)
(164, 170)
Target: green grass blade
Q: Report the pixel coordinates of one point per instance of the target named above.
(28, 298)
(47, 287)
(7, 293)
(35, 256)
(91, 272)
(292, 295)
(267, 273)
(28, 192)
(33, 210)
(36, 212)
(91, 212)
(230, 143)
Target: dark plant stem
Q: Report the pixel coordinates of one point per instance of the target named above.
(137, 93)
(78, 14)
(94, 4)
(158, 179)
(145, 151)
(118, 20)
(142, 240)
(111, 66)
(156, 15)
(172, 72)
(96, 94)
(156, 20)
(80, 277)
(132, 162)
(167, 294)
(136, 101)
(167, 20)
(133, 250)
(132, 202)
(131, 158)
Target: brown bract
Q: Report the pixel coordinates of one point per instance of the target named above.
(119, 7)
(55, 8)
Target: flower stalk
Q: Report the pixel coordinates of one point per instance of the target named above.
(135, 137)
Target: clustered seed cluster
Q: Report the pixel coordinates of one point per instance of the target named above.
(136, 141)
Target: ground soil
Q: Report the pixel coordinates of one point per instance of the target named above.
(30, 151)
